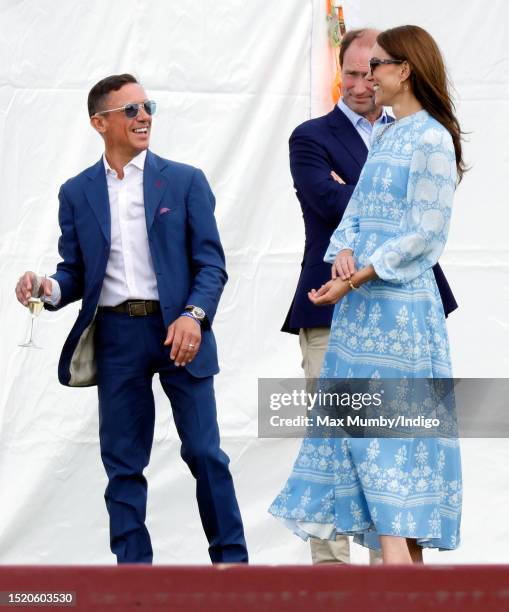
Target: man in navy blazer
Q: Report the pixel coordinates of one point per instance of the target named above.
(326, 157)
(140, 248)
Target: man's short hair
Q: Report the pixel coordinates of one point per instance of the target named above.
(368, 33)
(99, 91)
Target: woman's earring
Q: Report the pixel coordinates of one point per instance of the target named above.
(405, 87)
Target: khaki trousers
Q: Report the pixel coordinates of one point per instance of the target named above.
(313, 344)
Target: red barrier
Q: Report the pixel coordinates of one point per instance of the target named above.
(263, 588)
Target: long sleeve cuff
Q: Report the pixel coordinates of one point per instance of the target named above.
(338, 243)
(56, 294)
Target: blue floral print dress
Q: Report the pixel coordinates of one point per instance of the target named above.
(393, 327)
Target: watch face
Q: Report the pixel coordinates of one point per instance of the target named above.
(198, 312)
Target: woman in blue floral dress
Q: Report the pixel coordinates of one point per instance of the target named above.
(400, 494)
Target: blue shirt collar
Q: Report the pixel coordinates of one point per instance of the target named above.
(355, 117)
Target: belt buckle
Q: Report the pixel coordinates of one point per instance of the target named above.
(137, 309)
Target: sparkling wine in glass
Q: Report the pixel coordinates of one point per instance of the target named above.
(35, 306)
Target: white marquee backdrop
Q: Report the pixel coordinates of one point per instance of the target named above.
(232, 79)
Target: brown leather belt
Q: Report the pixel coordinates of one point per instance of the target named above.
(135, 308)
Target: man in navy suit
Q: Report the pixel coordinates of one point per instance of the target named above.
(140, 246)
(326, 157)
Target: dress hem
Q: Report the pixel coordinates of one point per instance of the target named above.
(358, 534)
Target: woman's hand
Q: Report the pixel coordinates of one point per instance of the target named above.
(330, 293)
(344, 265)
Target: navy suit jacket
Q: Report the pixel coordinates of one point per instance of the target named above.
(184, 244)
(318, 146)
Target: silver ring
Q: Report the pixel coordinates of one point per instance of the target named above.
(191, 345)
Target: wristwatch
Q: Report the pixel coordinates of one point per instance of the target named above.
(196, 312)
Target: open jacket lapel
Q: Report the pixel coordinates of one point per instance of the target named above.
(154, 185)
(96, 192)
(348, 136)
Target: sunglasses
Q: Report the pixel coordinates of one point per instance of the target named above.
(131, 110)
(374, 62)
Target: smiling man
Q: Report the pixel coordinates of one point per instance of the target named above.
(326, 157)
(140, 246)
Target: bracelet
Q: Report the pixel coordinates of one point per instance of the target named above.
(188, 314)
(352, 286)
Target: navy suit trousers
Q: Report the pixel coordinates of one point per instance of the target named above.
(129, 351)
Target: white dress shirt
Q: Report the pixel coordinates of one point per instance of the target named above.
(129, 271)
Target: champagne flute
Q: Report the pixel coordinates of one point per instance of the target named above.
(35, 306)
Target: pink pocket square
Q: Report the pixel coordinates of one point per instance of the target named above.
(162, 211)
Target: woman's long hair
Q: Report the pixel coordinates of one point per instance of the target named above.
(428, 78)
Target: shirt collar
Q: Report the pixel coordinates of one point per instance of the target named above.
(138, 162)
(355, 117)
